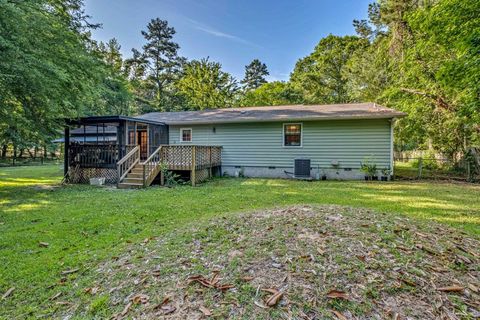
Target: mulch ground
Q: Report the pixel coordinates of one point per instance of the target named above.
(301, 262)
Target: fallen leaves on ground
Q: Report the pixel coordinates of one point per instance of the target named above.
(274, 298)
(164, 306)
(453, 288)
(339, 315)
(125, 310)
(140, 299)
(213, 282)
(56, 296)
(281, 262)
(206, 312)
(337, 294)
(70, 271)
(8, 293)
(92, 290)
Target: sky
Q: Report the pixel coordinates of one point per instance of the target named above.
(232, 32)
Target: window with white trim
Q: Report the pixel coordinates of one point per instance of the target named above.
(292, 134)
(186, 135)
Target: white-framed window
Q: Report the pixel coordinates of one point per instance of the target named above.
(292, 134)
(186, 134)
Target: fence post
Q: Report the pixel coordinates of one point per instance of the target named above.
(420, 167)
(210, 161)
(469, 174)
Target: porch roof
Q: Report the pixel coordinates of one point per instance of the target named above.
(110, 120)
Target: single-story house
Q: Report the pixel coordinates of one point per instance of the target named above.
(305, 141)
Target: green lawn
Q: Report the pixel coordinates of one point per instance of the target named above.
(85, 225)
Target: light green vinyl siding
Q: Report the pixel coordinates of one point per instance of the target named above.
(261, 144)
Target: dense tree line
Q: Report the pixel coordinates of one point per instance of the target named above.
(418, 56)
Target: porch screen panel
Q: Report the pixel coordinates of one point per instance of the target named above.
(158, 135)
(131, 138)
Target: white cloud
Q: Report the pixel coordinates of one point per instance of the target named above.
(277, 76)
(217, 33)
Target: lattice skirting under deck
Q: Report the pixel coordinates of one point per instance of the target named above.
(204, 174)
(83, 175)
(201, 175)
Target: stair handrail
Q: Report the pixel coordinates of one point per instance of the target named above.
(149, 165)
(127, 163)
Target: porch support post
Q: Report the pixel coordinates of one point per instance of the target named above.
(136, 137)
(66, 148)
(193, 173)
(120, 138)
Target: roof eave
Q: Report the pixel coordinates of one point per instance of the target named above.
(390, 116)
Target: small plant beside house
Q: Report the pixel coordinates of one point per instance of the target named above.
(385, 174)
(370, 170)
(170, 179)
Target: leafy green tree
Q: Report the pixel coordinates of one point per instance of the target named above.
(205, 86)
(255, 74)
(271, 94)
(320, 76)
(115, 96)
(425, 62)
(48, 71)
(369, 72)
(440, 69)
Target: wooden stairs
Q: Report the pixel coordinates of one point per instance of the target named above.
(133, 174)
(133, 179)
(199, 160)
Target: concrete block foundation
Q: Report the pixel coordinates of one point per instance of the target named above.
(277, 172)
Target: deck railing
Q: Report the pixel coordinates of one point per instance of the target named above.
(101, 155)
(128, 162)
(181, 157)
(152, 166)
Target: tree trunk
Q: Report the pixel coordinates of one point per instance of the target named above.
(14, 154)
(4, 151)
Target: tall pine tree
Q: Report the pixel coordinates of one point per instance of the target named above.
(162, 64)
(255, 74)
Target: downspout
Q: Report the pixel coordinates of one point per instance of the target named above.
(392, 123)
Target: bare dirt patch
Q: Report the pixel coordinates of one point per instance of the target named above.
(301, 262)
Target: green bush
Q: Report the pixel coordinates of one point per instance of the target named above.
(429, 162)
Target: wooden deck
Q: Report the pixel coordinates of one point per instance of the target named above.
(127, 169)
(199, 160)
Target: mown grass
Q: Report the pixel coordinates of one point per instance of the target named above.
(84, 225)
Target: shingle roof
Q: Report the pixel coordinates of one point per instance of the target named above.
(275, 113)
